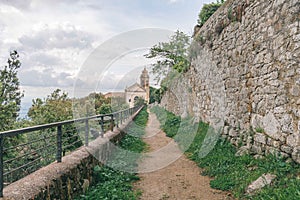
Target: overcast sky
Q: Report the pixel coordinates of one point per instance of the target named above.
(55, 38)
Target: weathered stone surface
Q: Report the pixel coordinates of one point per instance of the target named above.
(242, 151)
(296, 154)
(256, 121)
(271, 126)
(293, 140)
(261, 182)
(260, 137)
(233, 133)
(246, 74)
(286, 149)
(257, 149)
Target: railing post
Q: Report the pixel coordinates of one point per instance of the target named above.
(86, 139)
(112, 122)
(102, 126)
(117, 119)
(59, 144)
(1, 165)
(121, 118)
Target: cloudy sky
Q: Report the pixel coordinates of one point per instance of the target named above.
(55, 38)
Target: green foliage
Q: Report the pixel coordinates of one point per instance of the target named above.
(118, 103)
(234, 173)
(207, 11)
(111, 185)
(94, 103)
(10, 95)
(104, 109)
(172, 55)
(155, 95)
(114, 184)
(169, 122)
(56, 107)
(10, 101)
(139, 101)
(259, 130)
(132, 140)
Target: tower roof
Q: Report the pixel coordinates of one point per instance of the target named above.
(145, 73)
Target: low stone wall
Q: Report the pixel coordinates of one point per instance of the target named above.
(67, 179)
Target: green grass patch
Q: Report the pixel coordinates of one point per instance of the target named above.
(112, 184)
(169, 122)
(232, 173)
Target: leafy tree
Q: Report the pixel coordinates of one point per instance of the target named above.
(10, 101)
(207, 11)
(139, 101)
(56, 107)
(104, 109)
(155, 95)
(171, 55)
(10, 94)
(118, 103)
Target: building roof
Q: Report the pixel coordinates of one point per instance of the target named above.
(135, 88)
(114, 94)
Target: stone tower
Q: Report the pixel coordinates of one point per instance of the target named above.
(145, 84)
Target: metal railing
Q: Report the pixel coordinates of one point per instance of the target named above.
(43, 144)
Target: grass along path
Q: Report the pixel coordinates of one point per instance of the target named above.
(234, 174)
(179, 180)
(112, 184)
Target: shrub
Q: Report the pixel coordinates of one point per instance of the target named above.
(207, 11)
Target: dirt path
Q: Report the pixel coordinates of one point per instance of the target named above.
(169, 174)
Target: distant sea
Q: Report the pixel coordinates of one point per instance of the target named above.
(24, 109)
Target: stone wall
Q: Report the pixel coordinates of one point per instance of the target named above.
(245, 74)
(71, 177)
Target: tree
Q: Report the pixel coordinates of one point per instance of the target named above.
(139, 101)
(207, 11)
(56, 107)
(171, 55)
(10, 94)
(104, 109)
(155, 95)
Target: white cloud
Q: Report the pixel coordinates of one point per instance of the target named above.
(54, 38)
(174, 1)
(60, 36)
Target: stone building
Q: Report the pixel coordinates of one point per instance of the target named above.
(138, 90)
(134, 91)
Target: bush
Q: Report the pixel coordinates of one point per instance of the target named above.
(207, 11)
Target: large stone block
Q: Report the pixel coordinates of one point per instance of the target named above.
(271, 126)
(286, 149)
(296, 154)
(260, 137)
(293, 140)
(261, 182)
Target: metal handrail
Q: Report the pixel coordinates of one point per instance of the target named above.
(114, 120)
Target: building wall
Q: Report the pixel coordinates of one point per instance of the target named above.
(130, 95)
(245, 74)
